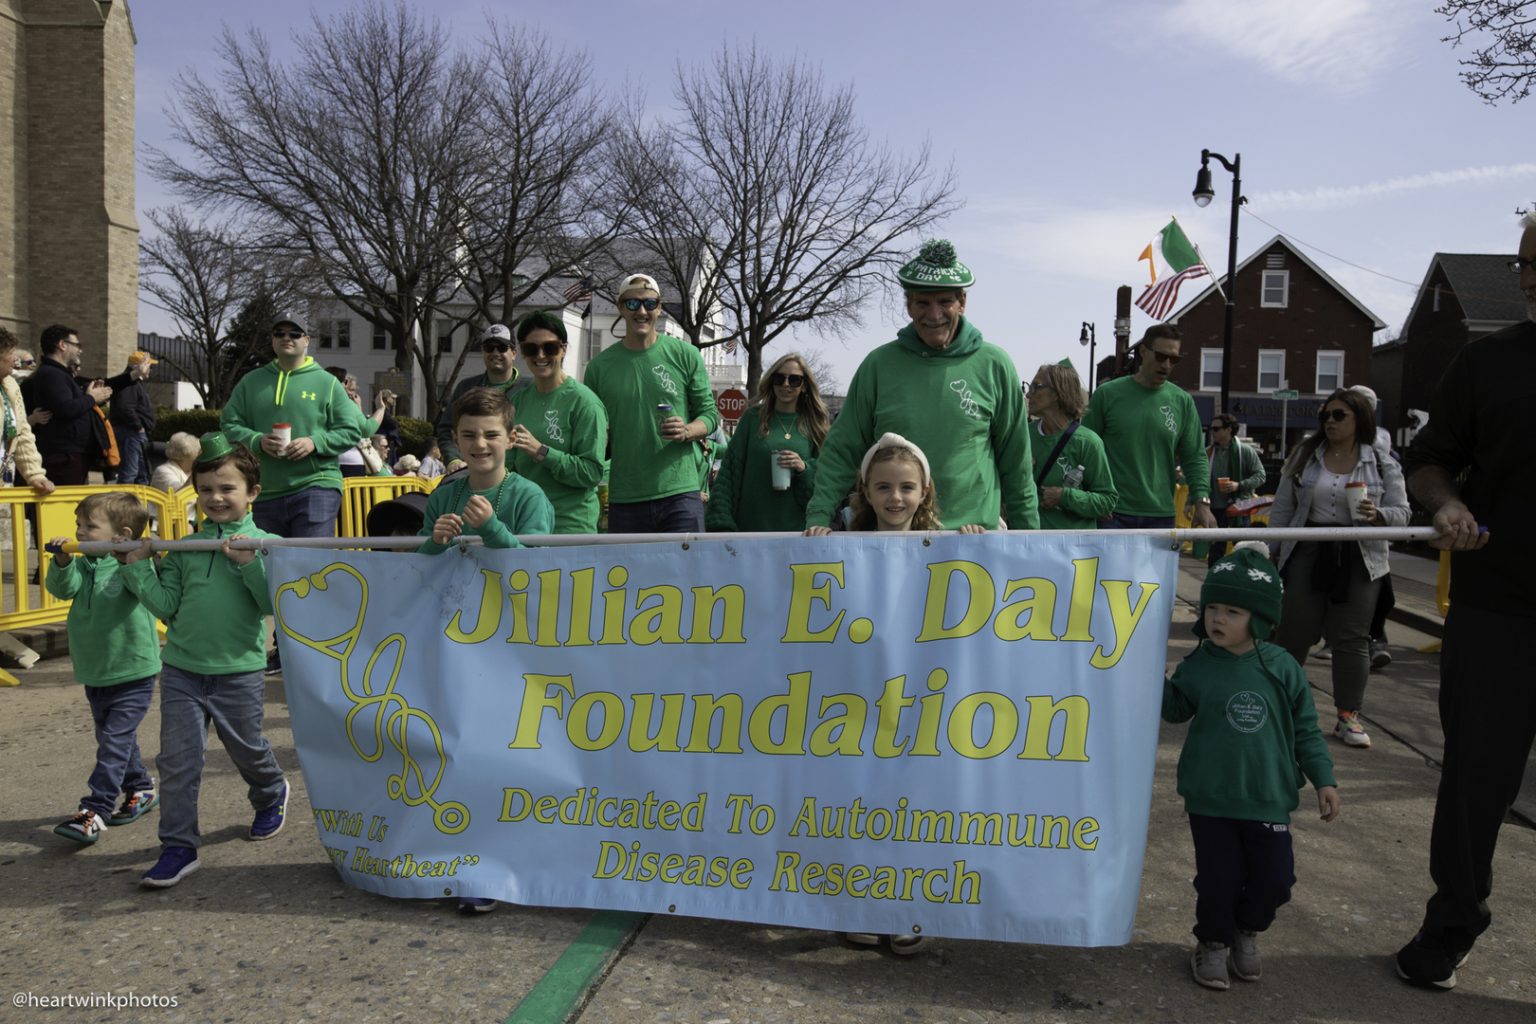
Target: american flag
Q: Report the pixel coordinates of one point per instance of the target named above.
(580, 290)
(1159, 299)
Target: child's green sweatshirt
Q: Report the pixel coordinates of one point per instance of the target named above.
(520, 508)
(111, 635)
(212, 607)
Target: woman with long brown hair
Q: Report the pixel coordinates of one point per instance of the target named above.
(1336, 477)
(769, 470)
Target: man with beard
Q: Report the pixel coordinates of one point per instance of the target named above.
(1151, 429)
(944, 388)
(500, 375)
(1478, 424)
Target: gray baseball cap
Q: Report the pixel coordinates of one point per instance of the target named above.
(291, 318)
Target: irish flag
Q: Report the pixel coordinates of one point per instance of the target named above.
(1171, 259)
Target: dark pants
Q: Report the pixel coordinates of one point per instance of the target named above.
(1488, 714)
(307, 513)
(1119, 521)
(117, 711)
(1244, 871)
(67, 470)
(678, 513)
(1386, 600)
(1218, 548)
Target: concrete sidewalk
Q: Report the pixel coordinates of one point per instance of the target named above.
(267, 932)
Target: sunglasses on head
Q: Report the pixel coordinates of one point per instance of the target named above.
(634, 304)
(548, 349)
(493, 345)
(292, 335)
(1337, 415)
(788, 380)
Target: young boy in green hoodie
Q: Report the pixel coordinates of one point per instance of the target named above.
(212, 603)
(115, 654)
(1254, 736)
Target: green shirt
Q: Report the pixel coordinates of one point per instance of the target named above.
(521, 508)
(1092, 498)
(962, 405)
(213, 609)
(630, 384)
(1254, 732)
(111, 635)
(743, 498)
(573, 423)
(317, 407)
(1147, 434)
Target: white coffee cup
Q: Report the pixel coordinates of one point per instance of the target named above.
(1354, 494)
(283, 431)
(780, 473)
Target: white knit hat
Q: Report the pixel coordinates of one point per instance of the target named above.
(889, 440)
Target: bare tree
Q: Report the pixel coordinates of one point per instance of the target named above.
(1504, 65)
(357, 151)
(203, 276)
(811, 214)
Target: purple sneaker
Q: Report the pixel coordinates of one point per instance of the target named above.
(269, 820)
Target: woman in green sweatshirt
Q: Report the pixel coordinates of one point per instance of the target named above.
(1071, 472)
(783, 432)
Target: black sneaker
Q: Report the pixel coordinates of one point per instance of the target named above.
(274, 662)
(1380, 656)
(1429, 964)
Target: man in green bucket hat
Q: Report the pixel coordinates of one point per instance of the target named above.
(951, 393)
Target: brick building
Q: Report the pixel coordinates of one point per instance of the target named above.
(69, 236)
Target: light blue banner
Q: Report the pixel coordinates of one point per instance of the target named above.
(952, 736)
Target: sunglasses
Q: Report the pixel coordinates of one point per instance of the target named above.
(494, 346)
(1164, 357)
(1221, 426)
(548, 349)
(633, 304)
(1039, 385)
(291, 335)
(1519, 263)
(788, 380)
(1337, 415)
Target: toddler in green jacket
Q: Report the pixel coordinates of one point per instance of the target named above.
(1254, 736)
(115, 654)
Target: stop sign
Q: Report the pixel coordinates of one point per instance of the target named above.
(731, 403)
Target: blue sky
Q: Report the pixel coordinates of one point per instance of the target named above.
(1075, 129)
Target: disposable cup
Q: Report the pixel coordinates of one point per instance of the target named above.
(1221, 483)
(1354, 494)
(283, 431)
(780, 473)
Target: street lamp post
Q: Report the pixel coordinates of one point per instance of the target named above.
(1203, 195)
(1090, 338)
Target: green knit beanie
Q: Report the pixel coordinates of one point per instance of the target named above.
(935, 269)
(1246, 578)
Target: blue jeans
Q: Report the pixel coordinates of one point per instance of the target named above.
(308, 513)
(1121, 521)
(677, 513)
(132, 449)
(188, 702)
(117, 711)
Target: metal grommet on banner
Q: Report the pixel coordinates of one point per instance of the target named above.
(672, 908)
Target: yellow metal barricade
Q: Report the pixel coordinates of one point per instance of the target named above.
(1442, 597)
(360, 494)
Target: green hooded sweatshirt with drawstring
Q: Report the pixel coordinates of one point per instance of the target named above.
(111, 635)
(317, 407)
(963, 405)
(213, 609)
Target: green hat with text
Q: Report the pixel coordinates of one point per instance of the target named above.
(935, 269)
(1246, 578)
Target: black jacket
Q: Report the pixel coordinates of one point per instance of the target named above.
(52, 387)
(131, 408)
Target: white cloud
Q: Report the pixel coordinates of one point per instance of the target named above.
(1336, 44)
(1341, 195)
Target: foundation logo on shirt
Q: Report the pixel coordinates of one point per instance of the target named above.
(967, 399)
(552, 425)
(1169, 419)
(664, 381)
(1247, 712)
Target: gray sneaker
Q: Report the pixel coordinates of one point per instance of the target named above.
(1245, 956)
(1208, 963)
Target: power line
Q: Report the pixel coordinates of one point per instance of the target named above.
(1411, 284)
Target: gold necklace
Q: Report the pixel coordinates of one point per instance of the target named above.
(778, 419)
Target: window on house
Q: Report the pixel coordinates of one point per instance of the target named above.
(380, 338)
(1275, 288)
(445, 335)
(1210, 369)
(1330, 372)
(343, 333)
(1271, 369)
(327, 338)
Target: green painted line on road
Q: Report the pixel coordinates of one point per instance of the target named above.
(568, 983)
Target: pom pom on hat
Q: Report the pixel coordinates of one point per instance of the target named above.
(935, 269)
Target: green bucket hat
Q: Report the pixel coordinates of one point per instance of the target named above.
(213, 445)
(935, 269)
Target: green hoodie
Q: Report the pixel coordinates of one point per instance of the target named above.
(1254, 732)
(212, 607)
(521, 508)
(111, 635)
(317, 407)
(962, 405)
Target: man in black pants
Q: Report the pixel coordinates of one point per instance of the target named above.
(66, 438)
(1478, 420)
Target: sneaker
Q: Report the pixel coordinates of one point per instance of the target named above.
(1245, 956)
(1380, 656)
(1208, 963)
(84, 827)
(475, 905)
(861, 938)
(269, 820)
(1349, 729)
(906, 945)
(274, 662)
(175, 863)
(1430, 964)
(1323, 653)
(134, 807)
